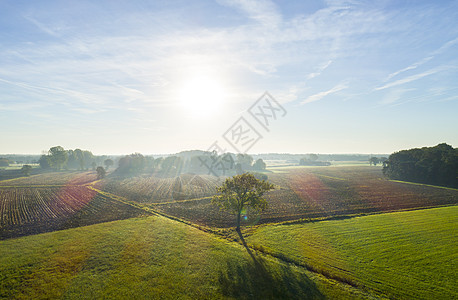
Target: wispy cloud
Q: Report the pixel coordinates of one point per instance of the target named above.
(394, 96)
(42, 26)
(411, 67)
(264, 12)
(423, 61)
(320, 70)
(412, 78)
(321, 95)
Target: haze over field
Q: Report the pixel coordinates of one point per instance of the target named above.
(160, 77)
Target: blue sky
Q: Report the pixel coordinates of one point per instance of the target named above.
(117, 77)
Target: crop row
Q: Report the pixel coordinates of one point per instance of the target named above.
(322, 192)
(52, 178)
(157, 189)
(26, 210)
(27, 205)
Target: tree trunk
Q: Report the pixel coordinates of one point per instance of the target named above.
(238, 221)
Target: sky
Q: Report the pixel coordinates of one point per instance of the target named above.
(118, 77)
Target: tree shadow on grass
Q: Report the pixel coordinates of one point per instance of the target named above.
(258, 278)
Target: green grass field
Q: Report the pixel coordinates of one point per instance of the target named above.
(403, 255)
(150, 258)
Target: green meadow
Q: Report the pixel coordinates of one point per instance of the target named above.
(151, 258)
(401, 255)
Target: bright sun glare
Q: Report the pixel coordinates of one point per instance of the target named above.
(201, 97)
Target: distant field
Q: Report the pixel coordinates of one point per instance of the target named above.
(149, 189)
(31, 210)
(320, 192)
(53, 178)
(404, 255)
(150, 258)
(301, 193)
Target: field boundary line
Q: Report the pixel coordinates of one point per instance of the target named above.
(120, 199)
(326, 176)
(422, 184)
(38, 185)
(181, 201)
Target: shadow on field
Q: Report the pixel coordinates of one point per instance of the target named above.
(259, 279)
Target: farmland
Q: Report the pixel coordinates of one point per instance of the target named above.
(301, 193)
(30, 210)
(402, 255)
(52, 178)
(316, 192)
(150, 189)
(329, 232)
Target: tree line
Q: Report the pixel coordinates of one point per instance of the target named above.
(436, 165)
(205, 163)
(58, 158)
(312, 160)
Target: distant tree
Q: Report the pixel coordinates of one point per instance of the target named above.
(94, 166)
(57, 157)
(149, 164)
(101, 172)
(241, 192)
(238, 169)
(44, 162)
(4, 162)
(87, 158)
(313, 157)
(308, 162)
(245, 161)
(373, 161)
(172, 165)
(79, 158)
(157, 163)
(211, 163)
(259, 165)
(383, 161)
(26, 169)
(131, 164)
(108, 163)
(72, 162)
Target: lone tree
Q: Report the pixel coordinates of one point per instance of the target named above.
(26, 169)
(101, 172)
(240, 192)
(108, 163)
(373, 161)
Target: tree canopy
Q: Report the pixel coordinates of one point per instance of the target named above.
(108, 163)
(432, 165)
(241, 192)
(57, 157)
(131, 164)
(100, 172)
(259, 165)
(26, 169)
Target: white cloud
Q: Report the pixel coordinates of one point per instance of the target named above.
(394, 96)
(412, 78)
(411, 67)
(320, 70)
(320, 95)
(415, 65)
(264, 12)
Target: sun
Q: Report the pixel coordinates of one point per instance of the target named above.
(202, 97)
